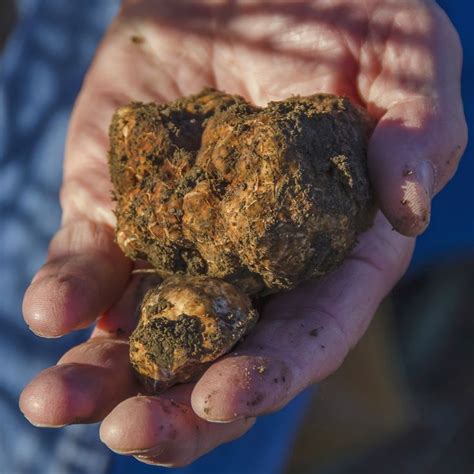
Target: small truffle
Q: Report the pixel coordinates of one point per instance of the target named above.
(185, 324)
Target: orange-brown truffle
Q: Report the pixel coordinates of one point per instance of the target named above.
(264, 198)
(185, 324)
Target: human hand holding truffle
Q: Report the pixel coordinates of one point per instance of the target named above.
(402, 63)
(226, 200)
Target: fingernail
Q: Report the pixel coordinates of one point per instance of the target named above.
(224, 421)
(146, 453)
(40, 334)
(426, 176)
(208, 416)
(151, 461)
(42, 425)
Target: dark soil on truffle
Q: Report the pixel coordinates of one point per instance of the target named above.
(262, 198)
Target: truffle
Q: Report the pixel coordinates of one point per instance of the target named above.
(185, 324)
(227, 200)
(264, 198)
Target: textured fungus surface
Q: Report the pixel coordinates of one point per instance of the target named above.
(224, 200)
(263, 198)
(185, 324)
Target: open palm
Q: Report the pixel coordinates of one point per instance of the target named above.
(399, 59)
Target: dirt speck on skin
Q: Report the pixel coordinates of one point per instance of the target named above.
(314, 332)
(246, 380)
(257, 400)
(137, 39)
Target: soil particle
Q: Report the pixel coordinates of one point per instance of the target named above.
(257, 400)
(137, 39)
(261, 369)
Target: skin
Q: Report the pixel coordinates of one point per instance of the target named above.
(399, 59)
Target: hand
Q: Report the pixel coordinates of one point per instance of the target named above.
(399, 59)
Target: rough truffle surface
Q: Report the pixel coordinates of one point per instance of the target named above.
(185, 324)
(264, 198)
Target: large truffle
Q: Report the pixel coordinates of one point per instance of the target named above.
(261, 197)
(185, 324)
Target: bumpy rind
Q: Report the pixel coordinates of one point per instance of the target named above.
(185, 324)
(263, 198)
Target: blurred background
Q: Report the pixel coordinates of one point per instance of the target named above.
(402, 402)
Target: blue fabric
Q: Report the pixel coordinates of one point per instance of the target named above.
(40, 75)
(41, 72)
